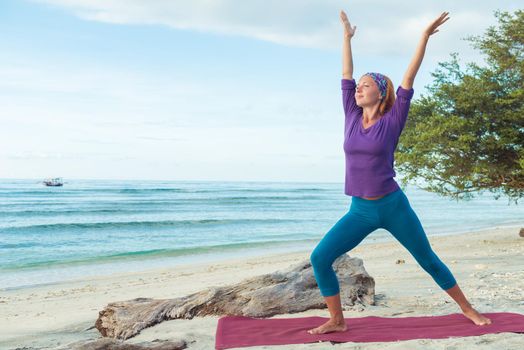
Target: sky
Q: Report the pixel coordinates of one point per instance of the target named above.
(220, 90)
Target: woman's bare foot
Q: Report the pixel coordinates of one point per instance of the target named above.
(329, 326)
(477, 318)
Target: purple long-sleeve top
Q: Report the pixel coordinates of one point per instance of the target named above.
(369, 152)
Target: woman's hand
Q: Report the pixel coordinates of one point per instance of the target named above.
(347, 56)
(348, 31)
(432, 28)
(414, 65)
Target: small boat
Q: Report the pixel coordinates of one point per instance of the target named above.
(57, 181)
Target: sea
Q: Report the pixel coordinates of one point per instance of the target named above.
(99, 227)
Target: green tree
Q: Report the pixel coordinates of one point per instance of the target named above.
(467, 134)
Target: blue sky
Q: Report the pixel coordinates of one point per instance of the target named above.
(201, 90)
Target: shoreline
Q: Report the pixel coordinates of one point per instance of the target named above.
(487, 264)
(210, 258)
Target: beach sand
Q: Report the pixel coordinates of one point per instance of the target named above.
(488, 266)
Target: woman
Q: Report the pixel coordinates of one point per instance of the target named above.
(374, 120)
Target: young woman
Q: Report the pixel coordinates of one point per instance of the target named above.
(374, 120)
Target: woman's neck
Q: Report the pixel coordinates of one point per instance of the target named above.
(370, 113)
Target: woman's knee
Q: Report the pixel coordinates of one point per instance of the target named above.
(432, 264)
(440, 273)
(315, 257)
(319, 259)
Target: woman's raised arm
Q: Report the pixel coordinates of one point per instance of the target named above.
(409, 76)
(347, 57)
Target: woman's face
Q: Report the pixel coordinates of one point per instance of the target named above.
(367, 92)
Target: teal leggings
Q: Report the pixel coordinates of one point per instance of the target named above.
(391, 212)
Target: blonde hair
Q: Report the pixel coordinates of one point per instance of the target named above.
(389, 99)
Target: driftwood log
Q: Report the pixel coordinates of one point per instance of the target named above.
(282, 292)
(112, 344)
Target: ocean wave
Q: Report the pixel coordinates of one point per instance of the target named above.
(142, 224)
(153, 254)
(80, 211)
(17, 245)
(145, 190)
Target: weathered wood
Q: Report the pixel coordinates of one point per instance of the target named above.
(113, 344)
(282, 292)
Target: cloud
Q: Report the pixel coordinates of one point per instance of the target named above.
(163, 139)
(383, 27)
(48, 155)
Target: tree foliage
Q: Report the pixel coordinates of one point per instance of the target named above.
(467, 134)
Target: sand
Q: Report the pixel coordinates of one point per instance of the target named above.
(488, 265)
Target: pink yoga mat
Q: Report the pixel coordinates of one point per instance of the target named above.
(240, 331)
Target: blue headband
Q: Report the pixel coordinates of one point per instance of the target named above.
(381, 82)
